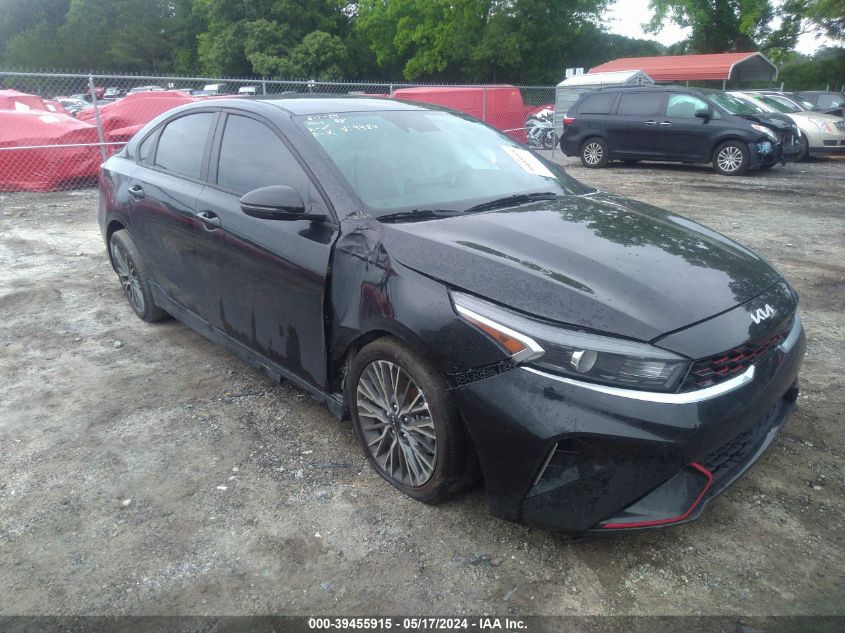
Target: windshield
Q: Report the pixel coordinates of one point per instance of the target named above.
(801, 101)
(420, 159)
(732, 104)
(781, 105)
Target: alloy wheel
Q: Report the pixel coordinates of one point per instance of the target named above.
(730, 158)
(128, 277)
(396, 423)
(593, 153)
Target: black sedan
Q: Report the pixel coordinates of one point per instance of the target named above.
(477, 313)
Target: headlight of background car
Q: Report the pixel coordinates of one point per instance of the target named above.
(765, 130)
(576, 354)
(824, 126)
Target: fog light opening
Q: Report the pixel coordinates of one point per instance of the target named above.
(583, 360)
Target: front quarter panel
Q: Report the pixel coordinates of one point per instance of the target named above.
(372, 294)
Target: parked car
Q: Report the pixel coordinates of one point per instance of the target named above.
(216, 89)
(606, 364)
(820, 133)
(249, 91)
(670, 123)
(827, 102)
(138, 89)
(72, 104)
(113, 93)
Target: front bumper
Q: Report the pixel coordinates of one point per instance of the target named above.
(580, 458)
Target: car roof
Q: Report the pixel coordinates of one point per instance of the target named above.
(324, 104)
(662, 88)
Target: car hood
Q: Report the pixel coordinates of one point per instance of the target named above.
(596, 261)
(775, 121)
(814, 115)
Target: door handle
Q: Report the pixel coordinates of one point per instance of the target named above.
(664, 124)
(136, 191)
(209, 219)
(651, 122)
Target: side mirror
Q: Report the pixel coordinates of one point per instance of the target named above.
(702, 114)
(277, 202)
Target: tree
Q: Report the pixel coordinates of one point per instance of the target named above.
(825, 16)
(479, 40)
(727, 25)
(260, 37)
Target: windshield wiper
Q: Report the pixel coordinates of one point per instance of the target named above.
(415, 215)
(511, 201)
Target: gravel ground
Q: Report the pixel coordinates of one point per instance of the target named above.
(145, 471)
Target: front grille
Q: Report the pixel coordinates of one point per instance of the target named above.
(724, 458)
(467, 376)
(711, 371)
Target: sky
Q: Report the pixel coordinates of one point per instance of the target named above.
(625, 17)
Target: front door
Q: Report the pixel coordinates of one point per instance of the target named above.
(265, 279)
(685, 136)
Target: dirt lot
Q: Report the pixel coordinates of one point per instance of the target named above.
(160, 475)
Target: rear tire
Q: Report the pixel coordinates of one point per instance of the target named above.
(134, 276)
(731, 158)
(408, 424)
(594, 153)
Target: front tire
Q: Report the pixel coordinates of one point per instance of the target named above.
(594, 153)
(407, 423)
(134, 275)
(731, 158)
(805, 149)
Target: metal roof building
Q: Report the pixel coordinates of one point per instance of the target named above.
(724, 67)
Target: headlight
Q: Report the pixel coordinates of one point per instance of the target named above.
(765, 130)
(576, 354)
(823, 126)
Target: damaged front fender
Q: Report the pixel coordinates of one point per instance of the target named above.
(371, 295)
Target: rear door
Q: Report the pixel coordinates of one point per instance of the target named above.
(163, 194)
(634, 131)
(265, 279)
(685, 137)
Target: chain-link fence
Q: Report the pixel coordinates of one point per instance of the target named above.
(57, 128)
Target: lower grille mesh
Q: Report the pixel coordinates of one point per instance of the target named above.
(724, 458)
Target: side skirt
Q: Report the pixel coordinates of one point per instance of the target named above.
(276, 372)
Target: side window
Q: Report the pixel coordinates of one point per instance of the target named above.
(640, 103)
(253, 156)
(598, 103)
(830, 101)
(683, 106)
(181, 144)
(145, 149)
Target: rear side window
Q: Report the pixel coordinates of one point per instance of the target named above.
(253, 156)
(145, 149)
(181, 144)
(830, 101)
(640, 103)
(598, 104)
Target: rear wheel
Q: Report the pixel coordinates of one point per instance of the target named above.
(405, 419)
(731, 158)
(594, 153)
(134, 276)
